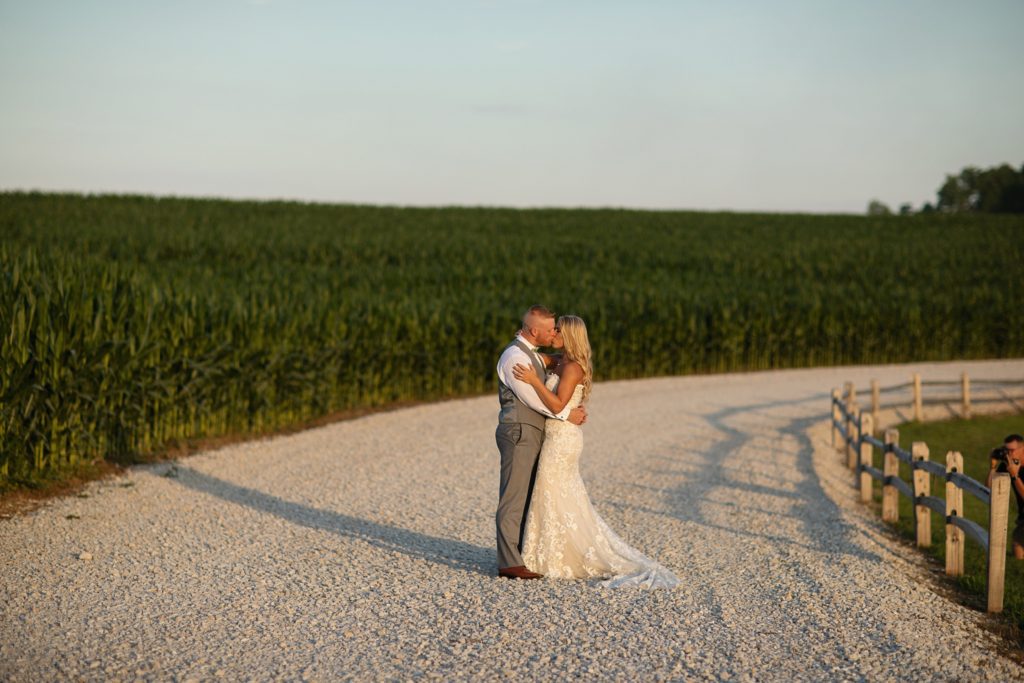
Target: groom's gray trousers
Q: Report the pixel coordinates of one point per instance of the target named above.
(520, 434)
(519, 444)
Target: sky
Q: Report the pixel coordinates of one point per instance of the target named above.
(790, 105)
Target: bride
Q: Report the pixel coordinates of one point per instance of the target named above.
(565, 537)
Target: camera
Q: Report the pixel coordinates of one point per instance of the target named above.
(1002, 455)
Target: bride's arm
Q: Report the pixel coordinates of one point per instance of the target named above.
(571, 376)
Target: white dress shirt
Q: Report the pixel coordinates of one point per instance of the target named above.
(523, 391)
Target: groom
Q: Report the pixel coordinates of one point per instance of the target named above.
(520, 434)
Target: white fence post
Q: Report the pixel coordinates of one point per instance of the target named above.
(998, 516)
(918, 413)
(876, 403)
(922, 487)
(835, 418)
(853, 429)
(965, 390)
(891, 468)
(866, 457)
(954, 507)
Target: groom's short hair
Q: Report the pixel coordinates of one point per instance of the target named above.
(536, 311)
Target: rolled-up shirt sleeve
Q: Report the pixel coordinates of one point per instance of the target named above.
(523, 391)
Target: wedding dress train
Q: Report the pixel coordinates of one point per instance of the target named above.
(565, 537)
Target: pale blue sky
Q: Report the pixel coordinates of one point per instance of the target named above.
(810, 105)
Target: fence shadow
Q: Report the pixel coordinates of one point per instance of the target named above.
(810, 506)
(447, 552)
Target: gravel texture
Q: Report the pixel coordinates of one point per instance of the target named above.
(365, 550)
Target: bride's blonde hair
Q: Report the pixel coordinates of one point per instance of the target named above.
(577, 347)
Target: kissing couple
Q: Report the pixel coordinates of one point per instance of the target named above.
(543, 399)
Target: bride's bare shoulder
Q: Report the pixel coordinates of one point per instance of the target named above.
(572, 370)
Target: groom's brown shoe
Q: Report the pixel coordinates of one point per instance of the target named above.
(519, 573)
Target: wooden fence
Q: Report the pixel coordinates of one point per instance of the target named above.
(853, 431)
(957, 395)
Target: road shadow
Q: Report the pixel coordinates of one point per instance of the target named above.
(447, 552)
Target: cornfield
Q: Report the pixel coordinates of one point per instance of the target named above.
(132, 322)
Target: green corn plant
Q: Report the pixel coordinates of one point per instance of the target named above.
(128, 323)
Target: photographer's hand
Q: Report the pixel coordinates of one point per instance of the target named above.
(1013, 466)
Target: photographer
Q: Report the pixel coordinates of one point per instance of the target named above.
(1007, 458)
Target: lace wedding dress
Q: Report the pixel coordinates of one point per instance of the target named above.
(565, 537)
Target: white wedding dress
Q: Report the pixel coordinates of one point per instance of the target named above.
(565, 537)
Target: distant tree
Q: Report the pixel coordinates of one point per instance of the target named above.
(958, 194)
(1013, 195)
(906, 209)
(927, 208)
(999, 189)
(877, 208)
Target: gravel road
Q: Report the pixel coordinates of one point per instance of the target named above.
(365, 550)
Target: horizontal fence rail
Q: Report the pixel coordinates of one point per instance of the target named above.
(972, 487)
(853, 433)
(935, 504)
(973, 529)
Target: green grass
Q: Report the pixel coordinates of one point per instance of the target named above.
(128, 323)
(974, 439)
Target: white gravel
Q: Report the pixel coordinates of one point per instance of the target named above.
(365, 550)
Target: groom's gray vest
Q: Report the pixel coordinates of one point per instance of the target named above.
(512, 409)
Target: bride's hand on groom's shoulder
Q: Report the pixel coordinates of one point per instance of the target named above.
(525, 373)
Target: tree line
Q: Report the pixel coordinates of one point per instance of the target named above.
(999, 189)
